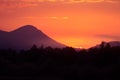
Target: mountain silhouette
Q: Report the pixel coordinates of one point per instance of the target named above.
(111, 43)
(114, 43)
(25, 37)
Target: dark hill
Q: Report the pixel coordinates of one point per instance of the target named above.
(26, 36)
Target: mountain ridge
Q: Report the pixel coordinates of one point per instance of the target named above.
(25, 27)
(111, 43)
(26, 36)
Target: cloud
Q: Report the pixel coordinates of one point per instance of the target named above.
(92, 1)
(109, 36)
(113, 1)
(31, 17)
(11, 4)
(43, 7)
(47, 17)
(65, 17)
(59, 18)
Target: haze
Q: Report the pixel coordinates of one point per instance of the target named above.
(76, 23)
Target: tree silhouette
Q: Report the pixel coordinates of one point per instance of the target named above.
(34, 47)
(53, 63)
(102, 45)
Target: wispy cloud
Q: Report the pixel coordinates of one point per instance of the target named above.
(47, 17)
(11, 4)
(92, 1)
(60, 18)
(113, 37)
(48, 7)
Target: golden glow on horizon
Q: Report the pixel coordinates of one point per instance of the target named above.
(78, 42)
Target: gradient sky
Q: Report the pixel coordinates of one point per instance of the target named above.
(77, 23)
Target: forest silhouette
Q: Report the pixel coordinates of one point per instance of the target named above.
(48, 63)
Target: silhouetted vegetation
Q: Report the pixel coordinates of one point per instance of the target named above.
(101, 63)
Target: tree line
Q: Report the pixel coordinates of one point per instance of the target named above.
(101, 63)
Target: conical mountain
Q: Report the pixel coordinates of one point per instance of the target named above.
(26, 36)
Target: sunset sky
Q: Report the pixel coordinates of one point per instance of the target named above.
(77, 23)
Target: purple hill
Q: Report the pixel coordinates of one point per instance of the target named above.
(25, 37)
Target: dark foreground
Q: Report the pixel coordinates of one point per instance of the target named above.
(61, 64)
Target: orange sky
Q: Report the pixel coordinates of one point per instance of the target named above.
(77, 23)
